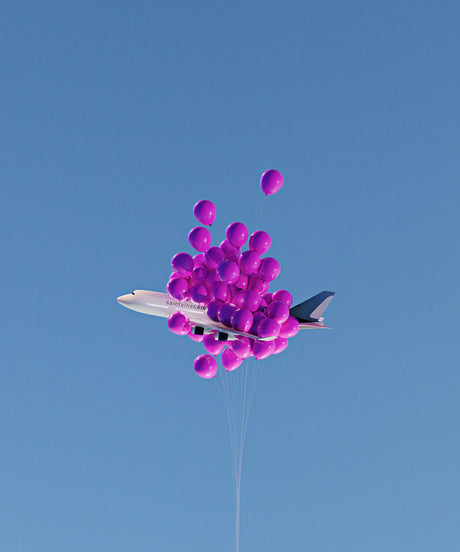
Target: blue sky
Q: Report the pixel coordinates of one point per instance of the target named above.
(116, 119)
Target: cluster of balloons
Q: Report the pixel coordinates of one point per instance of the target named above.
(232, 287)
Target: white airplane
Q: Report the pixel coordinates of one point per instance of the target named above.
(309, 313)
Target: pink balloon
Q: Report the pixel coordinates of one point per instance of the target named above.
(182, 264)
(268, 328)
(238, 297)
(231, 253)
(178, 288)
(198, 260)
(269, 269)
(228, 272)
(230, 361)
(241, 347)
(290, 328)
(237, 234)
(179, 323)
(278, 310)
(205, 212)
(200, 238)
(205, 366)
(271, 182)
(200, 294)
(263, 349)
(258, 316)
(242, 282)
(242, 320)
(199, 275)
(174, 275)
(220, 291)
(212, 277)
(249, 262)
(258, 284)
(212, 345)
(284, 296)
(251, 300)
(212, 310)
(268, 298)
(213, 257)
(280, 344)
(224, 314)
(260, 241)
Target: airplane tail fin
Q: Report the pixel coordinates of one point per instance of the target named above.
(312, 309)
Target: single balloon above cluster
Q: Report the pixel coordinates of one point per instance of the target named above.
(231, 283)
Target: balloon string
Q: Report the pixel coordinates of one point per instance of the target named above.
(238, 389)
(261, 212)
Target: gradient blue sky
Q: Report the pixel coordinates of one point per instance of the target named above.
(116, 118)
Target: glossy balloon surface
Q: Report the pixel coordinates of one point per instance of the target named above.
(205, 211)
(271, 182)
(230, 361)
(237, 234)
(260, 241)
(205, 366)
(200, 238)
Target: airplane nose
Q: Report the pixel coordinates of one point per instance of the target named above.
(125, 299)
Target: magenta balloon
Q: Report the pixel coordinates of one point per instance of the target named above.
(241, 346)
(228, 272)
(231, 253)
(205, 212)
(230, 361)
(182, 264)
(290, 328)
(238, 297)
(179, 324)
(199, 275)
(280, 344)
(220, 291)
(251, 300)
(260, 242)
(258, 316)
(198, 260)
(242, 320)
(263, 304)
(237, 234)
(284, 296)
(200, 238)
(269, 269)
(257, 284)
(174, 275)
(263, 349)
(268, 298)
(249, 262)
(268, 328)
(177, 288)
(205, 366)
(242, 282)
(212, 310)
(212, 277)
(213, 257)
(224, 314)
(271, 182)
(212, 345)
(195, 337)
(200, 294)
(278, 310)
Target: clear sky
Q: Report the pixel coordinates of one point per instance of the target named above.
(116, 118)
